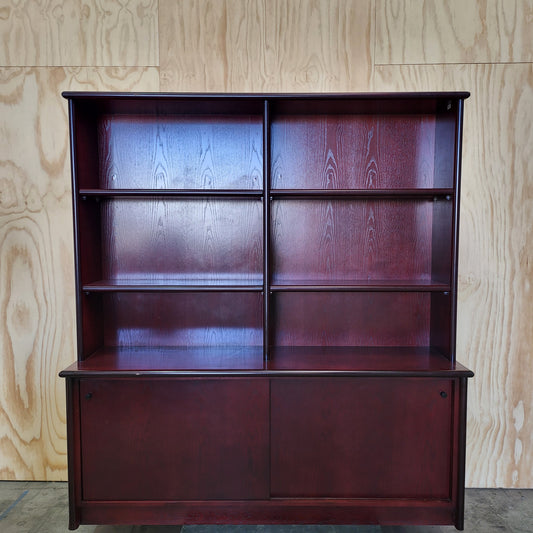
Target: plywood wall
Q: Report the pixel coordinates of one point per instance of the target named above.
(484, 46)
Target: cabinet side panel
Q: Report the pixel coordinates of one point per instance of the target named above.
(445, 140)
(74, 451)
(90, 269)
(441, 323)
(86, 145)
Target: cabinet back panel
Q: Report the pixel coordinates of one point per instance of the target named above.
(351, 319)
(182, 319)
(353, 151)
(181, 152)
(352, 240)
(171, 239)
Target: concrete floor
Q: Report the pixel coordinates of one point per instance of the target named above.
(38, 507)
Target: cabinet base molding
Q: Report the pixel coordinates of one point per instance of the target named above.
(307, 511)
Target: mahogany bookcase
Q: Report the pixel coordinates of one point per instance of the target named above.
(266, 309)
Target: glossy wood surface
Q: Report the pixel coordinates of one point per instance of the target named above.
(184, 319)
(345, 293)
(351, 455)
(284, 360)
(355, 240)
(166, 440)
(351, 319)
(187, 238)
(278, 511)
(353, 151)
(198, 152)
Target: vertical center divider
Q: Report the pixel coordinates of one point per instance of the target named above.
(266, 232)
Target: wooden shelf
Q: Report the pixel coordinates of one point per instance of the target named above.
(116, 360)
(178, 285)
(300, 360)
(171, 193)
(359, 285)
(364, 360)
(352, 194)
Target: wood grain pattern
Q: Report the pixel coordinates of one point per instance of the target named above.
(432, 31)
(36, 262)
(209, 439)
(376, 240)
(318, 45)
(495, 312)
(353, 152)
(199, 152)
(75, 32)
(186, 319)
(351, 319)
(182, 238)
(212, 45)
(270, 46)
(351, 456)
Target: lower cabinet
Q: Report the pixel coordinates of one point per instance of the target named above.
(287, 449)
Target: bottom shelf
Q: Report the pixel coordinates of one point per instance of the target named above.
(397, 360)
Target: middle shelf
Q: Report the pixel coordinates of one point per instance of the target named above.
(257, 285)
(341, 244)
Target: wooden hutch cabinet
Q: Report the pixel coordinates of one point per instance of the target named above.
(266, 309)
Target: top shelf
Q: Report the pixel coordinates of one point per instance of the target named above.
(364, 193)
(195, 103)
(188, 193)
(199, 146)
(445, 193)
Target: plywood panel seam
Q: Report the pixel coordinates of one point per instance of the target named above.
(495, 63)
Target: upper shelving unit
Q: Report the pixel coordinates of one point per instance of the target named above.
(292, 226)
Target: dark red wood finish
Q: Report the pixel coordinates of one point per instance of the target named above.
(193, 152)
(356, 240)
(266, 302)
(356, 361)
(174, 440)
(351, 318)
(360, 438)
(276, 511)
(185, 319)
(294, 401)
(181, 238)
(353, 151)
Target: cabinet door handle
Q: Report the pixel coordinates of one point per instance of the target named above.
(443, 394)
(89, 395)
